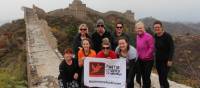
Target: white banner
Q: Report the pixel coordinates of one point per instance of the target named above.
(108, 73)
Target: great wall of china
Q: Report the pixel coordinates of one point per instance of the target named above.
(43, 57)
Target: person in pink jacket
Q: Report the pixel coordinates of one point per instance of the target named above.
(145, 49)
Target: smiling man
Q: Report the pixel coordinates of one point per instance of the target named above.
(119, 32)
(100, 34)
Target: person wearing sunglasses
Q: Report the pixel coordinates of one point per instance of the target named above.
(82, 34)
(106, 51)
(99, 34)
(128, 52)
(119, 32)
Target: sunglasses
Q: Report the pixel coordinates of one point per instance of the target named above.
(105, 47)
(83, 29)
(156, 27)
(100, 25)
(119, 27)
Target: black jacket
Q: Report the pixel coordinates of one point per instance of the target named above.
(115, 39)
(97, 40)
(67, 71)
(77, 43)
(164, 47)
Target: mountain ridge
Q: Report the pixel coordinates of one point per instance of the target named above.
(175, 28)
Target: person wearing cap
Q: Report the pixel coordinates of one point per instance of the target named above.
(99, 34)
(82, 34)
(68, 69)
(106, 51)
(145, 50)
(119, 32)
(164, 53)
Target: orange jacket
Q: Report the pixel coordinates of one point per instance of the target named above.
(81, 55)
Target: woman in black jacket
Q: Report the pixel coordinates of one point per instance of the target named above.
(68, 71)
(82, 34)
(164, 52)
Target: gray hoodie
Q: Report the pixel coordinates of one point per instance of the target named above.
(132, 54)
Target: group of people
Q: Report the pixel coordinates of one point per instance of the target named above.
(104, 44)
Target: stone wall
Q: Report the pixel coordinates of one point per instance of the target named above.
(78, 9)
(43, 58)
(129, 15)
(40, 12)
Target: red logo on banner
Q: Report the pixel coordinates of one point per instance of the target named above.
(97, 69)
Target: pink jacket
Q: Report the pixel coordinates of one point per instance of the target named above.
(145, 46)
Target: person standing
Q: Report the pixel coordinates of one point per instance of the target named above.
(82, 34)
(99, 34)
(128, 52)
(119, 32)
(164, 53)
(145, 49)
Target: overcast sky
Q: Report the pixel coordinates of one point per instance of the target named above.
(167, 10)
